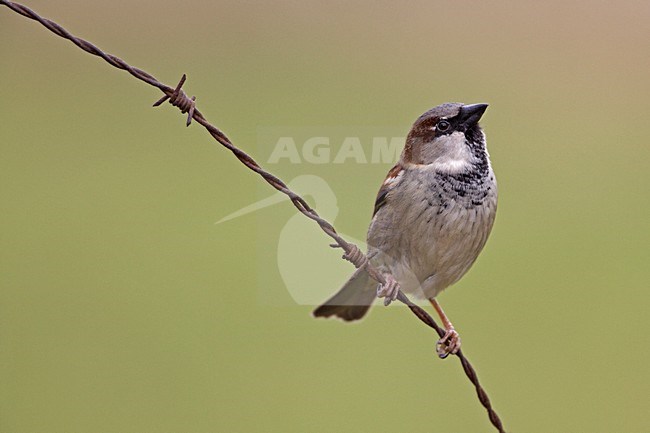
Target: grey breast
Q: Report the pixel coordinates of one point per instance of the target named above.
(434, 229)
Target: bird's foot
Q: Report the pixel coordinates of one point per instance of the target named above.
(389, 290)
(448, 344)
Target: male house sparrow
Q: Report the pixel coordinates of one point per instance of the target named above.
(432, 217)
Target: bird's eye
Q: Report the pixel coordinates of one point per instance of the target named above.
(443, 126)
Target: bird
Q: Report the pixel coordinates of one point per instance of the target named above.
(432, 217)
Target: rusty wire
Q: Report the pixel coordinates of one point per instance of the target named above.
(178, 98)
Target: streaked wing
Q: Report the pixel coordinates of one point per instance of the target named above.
(392, 179)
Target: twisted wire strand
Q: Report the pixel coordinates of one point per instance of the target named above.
(178, 98)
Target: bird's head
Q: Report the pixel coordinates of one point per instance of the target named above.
(448, 138)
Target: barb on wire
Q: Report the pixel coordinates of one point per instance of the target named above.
(178, 98)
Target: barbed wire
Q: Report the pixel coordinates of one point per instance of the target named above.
(178, 98)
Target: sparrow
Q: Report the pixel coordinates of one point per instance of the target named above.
(432, 217)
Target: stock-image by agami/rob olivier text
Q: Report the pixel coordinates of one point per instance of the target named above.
(324, 217)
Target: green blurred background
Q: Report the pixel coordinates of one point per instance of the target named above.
(124, 308)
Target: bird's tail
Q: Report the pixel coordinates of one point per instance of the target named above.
(352, 301)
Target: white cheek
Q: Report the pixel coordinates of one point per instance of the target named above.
(453, 153)
(452, 145)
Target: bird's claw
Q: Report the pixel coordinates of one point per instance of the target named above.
(448, 344)
(389, 290)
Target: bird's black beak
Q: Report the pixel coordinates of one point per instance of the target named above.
(469, 115)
